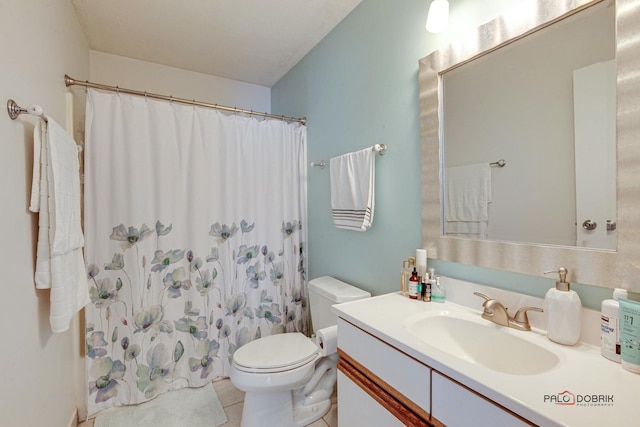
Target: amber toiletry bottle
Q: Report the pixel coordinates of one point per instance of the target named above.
(413, 284)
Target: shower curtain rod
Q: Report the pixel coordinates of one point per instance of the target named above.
(70, 81)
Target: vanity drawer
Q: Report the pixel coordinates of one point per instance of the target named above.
(478, 411)
(398, 374)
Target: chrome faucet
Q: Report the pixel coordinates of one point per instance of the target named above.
(496, 312)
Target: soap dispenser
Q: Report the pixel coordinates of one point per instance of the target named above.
(564, 311)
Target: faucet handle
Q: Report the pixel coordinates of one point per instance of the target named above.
(522, 319)
(488, 301)
(486, 298)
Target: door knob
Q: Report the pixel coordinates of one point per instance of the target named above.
(589, 225)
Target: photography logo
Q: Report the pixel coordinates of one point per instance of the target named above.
(566, 398)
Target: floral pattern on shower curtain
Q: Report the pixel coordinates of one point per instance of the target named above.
(195, 224)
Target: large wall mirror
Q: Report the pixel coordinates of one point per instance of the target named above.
(553, 92)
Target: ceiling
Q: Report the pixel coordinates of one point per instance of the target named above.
(254, 41)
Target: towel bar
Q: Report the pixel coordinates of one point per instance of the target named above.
(378, 148)
(14, 110)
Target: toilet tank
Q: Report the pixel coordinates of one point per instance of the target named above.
(326, 291)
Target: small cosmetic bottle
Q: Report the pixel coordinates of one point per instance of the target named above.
(413, 284)
(426, 290)
(405, 275)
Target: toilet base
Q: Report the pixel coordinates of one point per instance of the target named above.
(305, 415)
(268, 409)
(276, 409)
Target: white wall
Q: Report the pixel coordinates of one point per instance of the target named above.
(130, 73)
(40, 41)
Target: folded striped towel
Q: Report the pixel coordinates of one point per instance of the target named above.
(468, 194)
(353, 189)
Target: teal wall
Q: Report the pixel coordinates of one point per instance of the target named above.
(359, 87)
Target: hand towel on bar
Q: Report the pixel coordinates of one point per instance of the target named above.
(353, 189)
(468, 190)
(468, 193)
(59, 263)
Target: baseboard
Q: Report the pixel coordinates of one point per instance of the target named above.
(73, 422)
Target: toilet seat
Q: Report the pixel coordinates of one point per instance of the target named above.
(275, 353)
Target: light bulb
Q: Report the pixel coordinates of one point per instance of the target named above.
(438, 17)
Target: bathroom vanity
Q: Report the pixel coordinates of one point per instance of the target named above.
(405, 362)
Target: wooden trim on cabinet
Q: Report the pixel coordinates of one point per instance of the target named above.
(392, 400)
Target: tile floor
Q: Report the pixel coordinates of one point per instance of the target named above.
(232, 400)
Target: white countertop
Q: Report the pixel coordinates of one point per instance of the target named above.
(581, 370)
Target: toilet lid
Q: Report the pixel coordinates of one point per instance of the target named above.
(275, 352)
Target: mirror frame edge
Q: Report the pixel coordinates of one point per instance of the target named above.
(602, 268)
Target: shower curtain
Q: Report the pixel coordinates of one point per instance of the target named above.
(195, 224)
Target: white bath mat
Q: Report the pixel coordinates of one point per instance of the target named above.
(188, 407)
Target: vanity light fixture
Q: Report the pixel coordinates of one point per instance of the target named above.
(438, 17)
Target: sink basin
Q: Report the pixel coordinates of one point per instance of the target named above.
(482, 342)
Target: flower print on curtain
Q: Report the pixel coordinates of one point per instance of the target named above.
(195, 227)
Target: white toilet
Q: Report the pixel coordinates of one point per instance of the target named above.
(286, 380)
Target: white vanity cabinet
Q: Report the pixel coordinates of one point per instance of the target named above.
(380, 386)
(448, 397)
(397, 367)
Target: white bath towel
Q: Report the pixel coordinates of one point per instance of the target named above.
(468, 190)
(39, 203)
(468, 194)
(56, 196)
(352, 178)
(38, 137)
(65, 167)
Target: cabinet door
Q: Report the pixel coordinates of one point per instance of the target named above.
(408, 377)
(357, 408)
(448, 397)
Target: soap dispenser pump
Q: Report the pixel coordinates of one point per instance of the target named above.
(564, 311)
